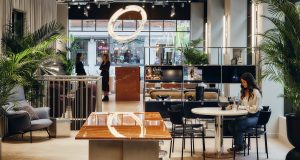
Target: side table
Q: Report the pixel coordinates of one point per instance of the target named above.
(61, 127)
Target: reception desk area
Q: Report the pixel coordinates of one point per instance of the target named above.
(124, 135)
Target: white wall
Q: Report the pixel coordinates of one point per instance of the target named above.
(236, 13)
(197, 21)
(270, 89)
(215, 12)
(62, 18)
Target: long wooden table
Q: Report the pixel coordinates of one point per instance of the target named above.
(124, 135)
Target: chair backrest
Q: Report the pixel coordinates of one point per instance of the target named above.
(175, 114)
(17, 94)
(264, 117)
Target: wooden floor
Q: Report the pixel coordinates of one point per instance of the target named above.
(70, 149)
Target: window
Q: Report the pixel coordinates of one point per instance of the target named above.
(18, 23)
(88, 25)
(166, 34)
(75, 25)
(101, 25)
(129, 25)
(170, 25)
(156, 25)
(101, 48)
(83, 48)
(183, 25)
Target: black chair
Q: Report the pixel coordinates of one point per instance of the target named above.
(182, 130)
(259, 130)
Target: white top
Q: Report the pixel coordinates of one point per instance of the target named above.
(216, 111)
(254, 103)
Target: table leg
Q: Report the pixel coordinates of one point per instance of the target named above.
(123, 150)
(219, 154)
(219, 134)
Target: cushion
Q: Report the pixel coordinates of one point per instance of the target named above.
(8, 107)
(40, 124)
(30, 111)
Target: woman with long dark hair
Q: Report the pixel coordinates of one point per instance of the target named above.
(79, 69)
(105, 65)
(251, 101)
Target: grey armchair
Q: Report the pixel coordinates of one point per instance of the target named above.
(19, 121)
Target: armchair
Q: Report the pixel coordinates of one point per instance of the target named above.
(19, 121)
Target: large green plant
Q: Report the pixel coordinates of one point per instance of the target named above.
(192, 54)
(38, 49)
(281, 48)
(18, 69)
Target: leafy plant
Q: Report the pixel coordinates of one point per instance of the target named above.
(68, 63)
(25, 55)
(194, 56)
(13, 43)
(281, 47)
(18, 69)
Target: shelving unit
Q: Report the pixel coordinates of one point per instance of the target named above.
(179, 83)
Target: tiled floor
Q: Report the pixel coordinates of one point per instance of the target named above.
(71, 149)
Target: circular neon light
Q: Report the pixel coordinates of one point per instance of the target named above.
(114, 117)
(116, 15)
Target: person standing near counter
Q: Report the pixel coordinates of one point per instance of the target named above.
(79, 69)
(251, 101)
(105, 75)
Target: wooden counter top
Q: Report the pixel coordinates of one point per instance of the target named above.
(124, 126)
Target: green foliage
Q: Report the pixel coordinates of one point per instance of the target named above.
(68, 63)
(16, 44)
(281, 48)
(23, 56)
(194, 56)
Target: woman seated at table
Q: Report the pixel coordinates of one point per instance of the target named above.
(251, 101)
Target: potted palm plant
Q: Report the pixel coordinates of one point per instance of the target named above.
(281, 48)
(13, 44)
(192, 55)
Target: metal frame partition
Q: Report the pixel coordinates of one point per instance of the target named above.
(73, 97)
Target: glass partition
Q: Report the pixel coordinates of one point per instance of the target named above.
(75, 25)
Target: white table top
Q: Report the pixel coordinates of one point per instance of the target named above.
(216, 111)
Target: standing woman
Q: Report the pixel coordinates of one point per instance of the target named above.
(79, 69)
(105, 75)
(251, 101)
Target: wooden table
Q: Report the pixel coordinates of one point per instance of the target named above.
(124, 135)
(219, 114)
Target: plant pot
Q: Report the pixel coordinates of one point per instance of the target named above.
(293, 129)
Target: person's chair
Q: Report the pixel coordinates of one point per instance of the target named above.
(182, 130)
(22, 117)
(259, 130)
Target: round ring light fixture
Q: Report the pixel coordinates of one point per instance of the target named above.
(117, 14)
(113, 117)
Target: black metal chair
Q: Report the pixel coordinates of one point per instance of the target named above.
(182, 130)
(258, 130)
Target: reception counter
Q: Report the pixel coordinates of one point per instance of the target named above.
(127, 83)
(124, 135)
